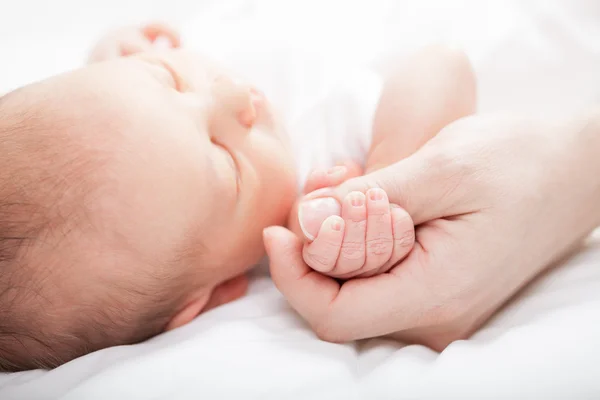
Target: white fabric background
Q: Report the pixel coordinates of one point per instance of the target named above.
(530, 55)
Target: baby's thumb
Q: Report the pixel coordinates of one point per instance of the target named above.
(312, 213)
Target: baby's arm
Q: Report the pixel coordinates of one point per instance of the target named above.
(130, 40)
(422, 95)
(428, 91)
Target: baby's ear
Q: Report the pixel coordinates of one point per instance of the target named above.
(227, 292)
(189, 312)
(224, 293)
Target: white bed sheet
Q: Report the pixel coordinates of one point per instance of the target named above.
(543, 345)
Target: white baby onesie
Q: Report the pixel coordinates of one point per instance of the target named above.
(327, 105)
(337, 127)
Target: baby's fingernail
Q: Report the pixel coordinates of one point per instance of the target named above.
(336, 224)
(337, 172)
(394, 205)
(312, 213)
(357, 199)
(376, 194)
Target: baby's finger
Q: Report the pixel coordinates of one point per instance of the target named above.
(155, 30)
(313, 213)
(352, 254)
(379, 238)
(323, 252)
(404, 239)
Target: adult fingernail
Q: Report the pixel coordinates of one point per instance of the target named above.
(312, 213)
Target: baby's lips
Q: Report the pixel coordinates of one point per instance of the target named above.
(312, 213)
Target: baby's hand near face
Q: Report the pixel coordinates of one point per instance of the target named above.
(132, 40)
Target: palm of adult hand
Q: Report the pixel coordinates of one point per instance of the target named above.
(496, 200)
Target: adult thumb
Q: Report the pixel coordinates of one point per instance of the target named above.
(419, 184)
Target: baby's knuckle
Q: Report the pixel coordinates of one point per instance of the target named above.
(353, 250)
(331, 245)
(317, 260)
(379, 245)
(406, 239)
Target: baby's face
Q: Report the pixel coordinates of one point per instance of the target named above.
(213, 165)
(195, 166)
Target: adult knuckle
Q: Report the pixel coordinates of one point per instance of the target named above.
(318, 260)
(359, 184)
(447, 315)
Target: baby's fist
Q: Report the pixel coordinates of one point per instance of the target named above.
(369, 237)
(130, 40)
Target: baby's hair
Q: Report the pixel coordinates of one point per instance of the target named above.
(39, 328)
(18, 220)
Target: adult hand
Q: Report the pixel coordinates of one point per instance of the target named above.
(496, 199)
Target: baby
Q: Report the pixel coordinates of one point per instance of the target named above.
(135, 191)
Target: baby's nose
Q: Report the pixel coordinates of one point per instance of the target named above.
(236, 107)
(312, 213)
(251, 105)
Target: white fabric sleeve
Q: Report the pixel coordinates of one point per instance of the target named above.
(338, 127)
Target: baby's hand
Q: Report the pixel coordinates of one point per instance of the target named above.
(369, 237)
(132, 40)
(319, 179)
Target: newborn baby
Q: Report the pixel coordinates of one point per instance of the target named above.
(135, 191)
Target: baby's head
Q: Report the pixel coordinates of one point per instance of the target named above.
(132, 194)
